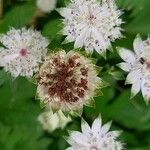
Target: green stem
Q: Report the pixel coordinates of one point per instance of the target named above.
(13, 87)
(1, 8)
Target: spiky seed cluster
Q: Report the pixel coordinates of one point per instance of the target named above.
(97, 137)
(91, 24)
(68, 81)
(137, 63)
(24, 50)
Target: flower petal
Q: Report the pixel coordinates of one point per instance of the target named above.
(85, 127)
(105, 128)
(96, 126)
(134, 76)
(138, 45)
(79, 138)
(125, 66)
(146, 89)
(100, 40)
(10, 57)
(80, 39)
(135, 88)
(64, 12)
(126, 55)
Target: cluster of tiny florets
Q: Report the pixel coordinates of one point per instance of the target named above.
(23, 51)
(91, 24)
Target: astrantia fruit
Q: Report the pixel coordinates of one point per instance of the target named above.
(137, 63)
(91, 24)
(67, 81)
(97, 137)
(23, 50)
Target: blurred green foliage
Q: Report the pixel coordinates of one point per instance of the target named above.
(19, 129)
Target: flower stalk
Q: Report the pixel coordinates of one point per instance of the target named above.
(1, 8)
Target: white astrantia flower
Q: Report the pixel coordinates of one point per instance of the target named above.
(92, 24)
(137, 63)
(23, 50)
(46, 5)
(67, 81)
(51, 121)
(97, 137)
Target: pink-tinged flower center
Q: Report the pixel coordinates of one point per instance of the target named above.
(63, 83)
(91, 18)
(145, 62)
(23, 52)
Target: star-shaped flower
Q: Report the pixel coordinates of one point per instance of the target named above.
(23, 51)
(97, 137)
(91, 24)
(137, 63)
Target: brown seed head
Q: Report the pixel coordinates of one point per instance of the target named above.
(63, 82)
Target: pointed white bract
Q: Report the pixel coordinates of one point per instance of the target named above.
(97, 137)
(67, 81)
(91, 24)
(51, 121)
(22, 52)
(46, 6)
(137, 63)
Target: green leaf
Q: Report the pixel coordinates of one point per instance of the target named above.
(19, 16)
(137, 22)
(118, 75)
(19, 128)
(52, 28)
(133, 114)
(51, 31)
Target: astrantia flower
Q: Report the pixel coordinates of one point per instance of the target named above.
(46, 5)
(137, 63)
(51, 121)
(24, 50)
(97, 137)
(68, 81)
(92, 24)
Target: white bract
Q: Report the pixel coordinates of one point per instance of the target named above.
(97, 137)
(22, 52)
(92, 24)
(137, 63)
(46, 5)
(67, 81)
(51, 121)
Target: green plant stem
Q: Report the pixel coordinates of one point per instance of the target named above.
(13, 87)
(1, 8)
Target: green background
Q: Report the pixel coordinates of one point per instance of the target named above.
(19, 128)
